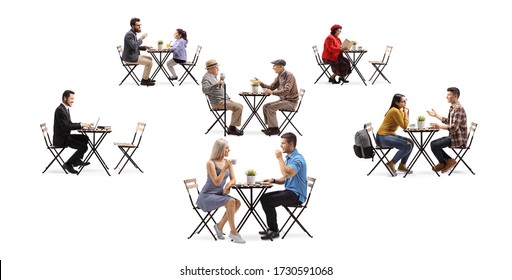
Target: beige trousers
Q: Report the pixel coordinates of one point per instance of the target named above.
(148, 63)
(269, 110)
(237, 108)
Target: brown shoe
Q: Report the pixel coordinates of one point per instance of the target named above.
(391, 167)
(438, 167)
(403, 168)
(449, 165)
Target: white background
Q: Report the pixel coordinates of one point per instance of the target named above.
(135, 226)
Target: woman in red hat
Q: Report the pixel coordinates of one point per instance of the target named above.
(333, 55)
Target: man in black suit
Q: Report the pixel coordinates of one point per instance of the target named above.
(62, 136)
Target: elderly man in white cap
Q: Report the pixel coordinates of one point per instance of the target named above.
(285, 87)
(213, 88)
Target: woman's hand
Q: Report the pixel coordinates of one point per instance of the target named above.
(227, 165)
(227, 189)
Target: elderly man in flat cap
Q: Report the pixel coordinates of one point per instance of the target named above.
(285, 87)
(213, 88)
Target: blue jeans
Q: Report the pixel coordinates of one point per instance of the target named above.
(403, 144)
(437, 148)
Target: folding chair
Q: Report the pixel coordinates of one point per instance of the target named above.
(461, 151)
(128, 66)
(380, 65)
(289, 114)
(381, 152)
(324, 66)
(192, 184)
(56, 151)
(133, 146)
(219, 114)
(189, 65)
(295, 207)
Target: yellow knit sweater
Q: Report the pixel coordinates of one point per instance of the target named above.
(393, 119)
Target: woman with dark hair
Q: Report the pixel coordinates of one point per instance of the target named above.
(215, 193)
(396, 116)
(333, 55)
(179, 51)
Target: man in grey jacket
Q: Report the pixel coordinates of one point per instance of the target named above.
(213, 88)
(132, 48)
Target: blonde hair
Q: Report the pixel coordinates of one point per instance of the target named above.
(218, 149)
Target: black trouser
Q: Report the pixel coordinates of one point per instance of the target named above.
(437, 148)
(78, 142)
(270, 201)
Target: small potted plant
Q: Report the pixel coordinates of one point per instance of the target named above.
(251, 176)
(255, 86)
(421, 122)
(160, 45)
(354, 45)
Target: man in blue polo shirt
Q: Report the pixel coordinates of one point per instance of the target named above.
(294, 177)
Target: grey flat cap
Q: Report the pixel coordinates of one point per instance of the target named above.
(279, 61)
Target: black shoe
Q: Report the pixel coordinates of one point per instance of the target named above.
(333, 80)
(270, 235)
(70, 168)
(173, 78)
(264, 130)
(264, 232)
(147, 82)
(344, 80)
(272, 131)
(232, 130)
(80, 163)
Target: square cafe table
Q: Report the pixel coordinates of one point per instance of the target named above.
(354, 60)
(421, 143)
(160, 57)
(98, 135)
(254, 106)
(251, 202)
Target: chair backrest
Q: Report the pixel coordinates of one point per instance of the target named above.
(311, 184)
(189, 185)
(301, 96)
(139, 131)
(120, 51)
(46, 135)
(371, 134)
(317, 55)
(471, 134)
(387, 54)
(196, 55)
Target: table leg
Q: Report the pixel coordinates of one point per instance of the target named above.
(254, 107)
(160, 66)
(421, 145)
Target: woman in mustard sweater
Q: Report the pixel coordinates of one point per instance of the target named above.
(396, 116)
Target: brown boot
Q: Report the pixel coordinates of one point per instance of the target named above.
(391, 167)
(403, 168)
(449, 165)
(438, 167)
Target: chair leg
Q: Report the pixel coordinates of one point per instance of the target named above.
(128, 158)
(295, 220)
(220, 120)
(56, 157)
(381, 160)
(459, 158)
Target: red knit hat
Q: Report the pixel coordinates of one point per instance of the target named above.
(336, 26)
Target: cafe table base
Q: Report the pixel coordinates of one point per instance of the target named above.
(255, 193)
(160, 57)
(254, 106)
(421, 144)
(354, 60)
(94, 144)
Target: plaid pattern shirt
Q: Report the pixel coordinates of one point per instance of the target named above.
(457, 125)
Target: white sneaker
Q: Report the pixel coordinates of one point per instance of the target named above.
(220, 234)
(237, 238)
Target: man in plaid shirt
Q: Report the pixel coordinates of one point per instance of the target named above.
(455, 123)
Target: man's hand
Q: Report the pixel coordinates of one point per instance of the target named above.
(279, 154)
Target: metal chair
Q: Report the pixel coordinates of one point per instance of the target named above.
(379, 65)
(460, 152)
(192, 184)
(381, 152)
(324, 66)
(219, 114)
(56, 151)
(296, 207)
(189, 65)
(128, 66)
(289, 114)
(133, 146)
